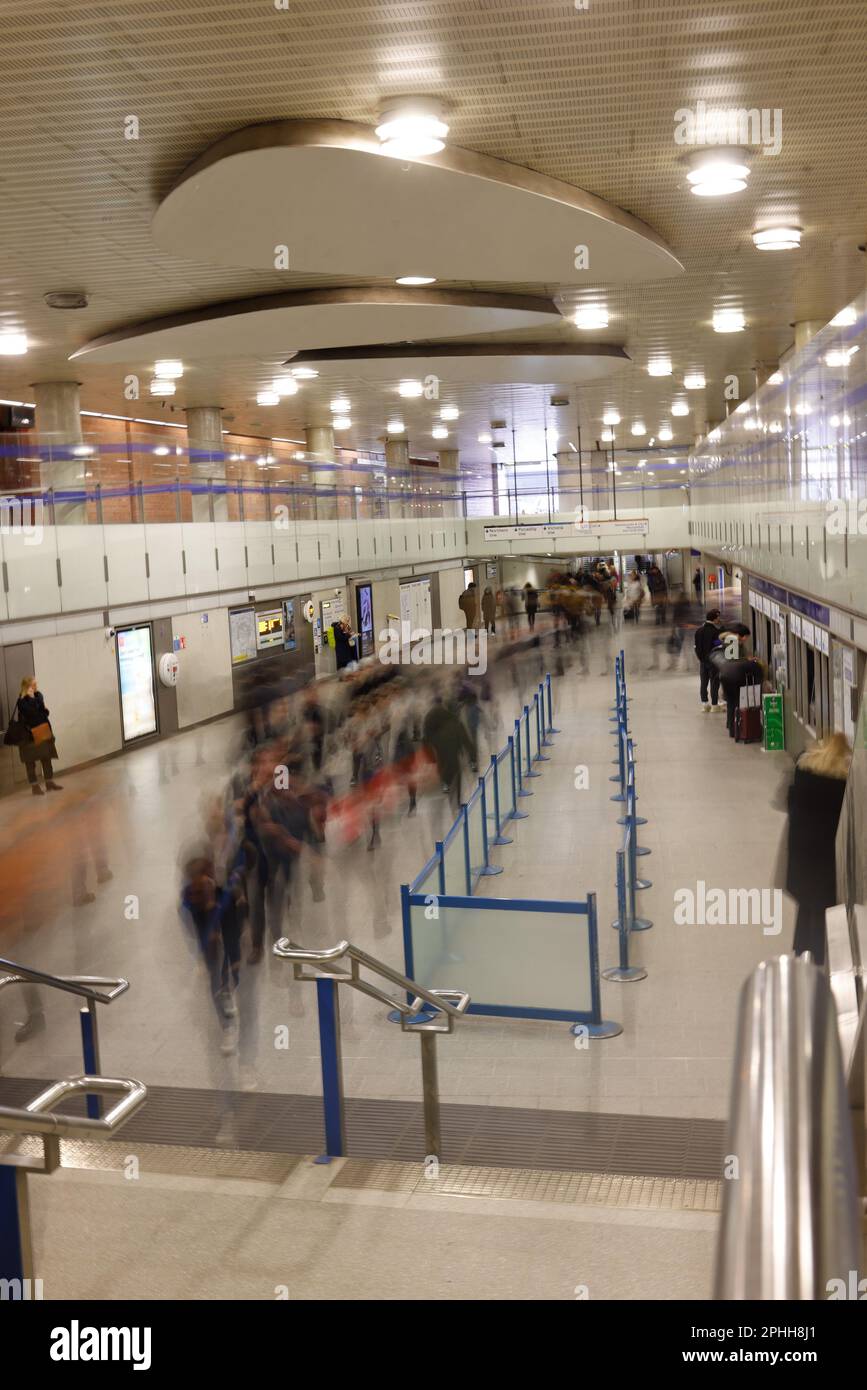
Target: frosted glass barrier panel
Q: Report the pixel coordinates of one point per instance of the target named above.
(477, 834)
(511, 958)
(455, 863)
(428, 880)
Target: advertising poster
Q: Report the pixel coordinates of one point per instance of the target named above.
(136, 672)
(290, 641)
(242, 635)
(364, 603)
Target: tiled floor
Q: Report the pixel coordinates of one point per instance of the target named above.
(707, 803)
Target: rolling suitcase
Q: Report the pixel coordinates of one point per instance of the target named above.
(748, 724)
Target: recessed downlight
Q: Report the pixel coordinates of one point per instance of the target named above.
(340, 405)
(412, 128)
(410, 389)
(304, 373)
(638, 427)
(728, 321)
(590, 316)
(607, 436)
(161, 386)
(777, 239)
(395, 427)
(659, 366)
(665, 433)
(680, 407)
(416, 280)
(13, 344)
(694, 381)
(266, 398)
(169, 368)
(286, 386)
(715, 173)
(439, 432)
(341, 422)
(611, 417)
(449, 412)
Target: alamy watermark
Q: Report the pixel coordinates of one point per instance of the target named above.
(736, 125)
(434, 647)
(22, 517)
(733, 907)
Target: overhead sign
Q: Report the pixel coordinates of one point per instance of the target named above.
(632, 526)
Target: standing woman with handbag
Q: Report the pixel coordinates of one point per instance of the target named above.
(39, 747)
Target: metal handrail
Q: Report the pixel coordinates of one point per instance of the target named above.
(36, 1117)
(791, 1216)
(72, 984)
(448, 1004)
(436, 999)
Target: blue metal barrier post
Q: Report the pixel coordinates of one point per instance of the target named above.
(488, 869)
(90, 1054)
(519, 761)
(332, 1068)
(546, 742)
(11, 1234)
(528, 770)
(515, 765)
(539, 756)
(623, 971)
(597, 1027)
(551, 729)
(499, 818)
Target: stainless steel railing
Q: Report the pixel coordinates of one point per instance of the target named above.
(792, 1210)
(95, 989)
(443, 1007)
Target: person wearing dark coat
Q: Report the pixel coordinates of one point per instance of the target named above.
(445, 734)
(33, 714)
(345, 644)
(733, 674)
(815, 800)
(706, 638)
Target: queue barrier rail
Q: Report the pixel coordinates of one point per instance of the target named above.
(628, 880)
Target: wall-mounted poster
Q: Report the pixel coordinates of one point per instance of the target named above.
(242, 635)
(269, 628)
(290, 641)
(364, 605)
(136, 671)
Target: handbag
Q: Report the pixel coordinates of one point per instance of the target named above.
(41, 733)
(17, 732)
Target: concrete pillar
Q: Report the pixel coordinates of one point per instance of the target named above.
(320, 441)
(207, 458)
(58, 425)
(805, 330)
(397, 453)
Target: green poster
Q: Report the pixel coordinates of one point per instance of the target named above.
(774, 734)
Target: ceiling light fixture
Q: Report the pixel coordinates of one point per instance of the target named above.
(13, 344)
(665, 433)
(607, 436)
(439, 432)
(449, 412)
(591, 316)
(639, 427)
(410, 389)
(304, 373)
(265, 398)
(728, 321)
(416, 280)
(169, 368)
(714, 173)
(412, 128)
(694, 381)
(161, 386)
(660, 366)
(395, 427)
(286, 386)
(777, 239)
(680, 407)
(341, 422)
(611, 417)
(485, 438)
(340, 405)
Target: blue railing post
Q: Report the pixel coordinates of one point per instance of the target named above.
(499, 818)
(551, 729)
(528, 770)
(332, 1067)
(488, 869)
(519, 760)
(623, 972)
(539, 756)
(89, 1050)
(11, 1248)
(597, 1027)
(515, 766)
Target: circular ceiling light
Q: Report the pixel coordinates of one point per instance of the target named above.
(591, 316)
(680, 407)
(694, 381)
(161, 386)
(13, 344)
(340, 405)
(777, 239)
(412, 128)
(728, 321)
(286, 386)
(395, 427)
(715, 173)
(439, 432)
(660, 366)
(845, 318)
(416, 280)
(607, 436)
(449, 412)
(485, 438)
(66, 299)
(611, 417)
(304, 373)
(265, 398)
(639, 427)
(169, 369)
(410, 389)
(341, 422)
(665, 433)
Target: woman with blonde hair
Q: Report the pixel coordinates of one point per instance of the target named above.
(39, 746)
(815, 800)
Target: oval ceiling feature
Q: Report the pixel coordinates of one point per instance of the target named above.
(477, 364)
(320, 197)
(280, 325)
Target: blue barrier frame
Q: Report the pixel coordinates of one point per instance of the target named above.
(515, 813)
(540, 757)
(499, 819)
(518, 761)
(528, 770)
(592, 1022)
(550, 729)
(443, 846)
(489, 870)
